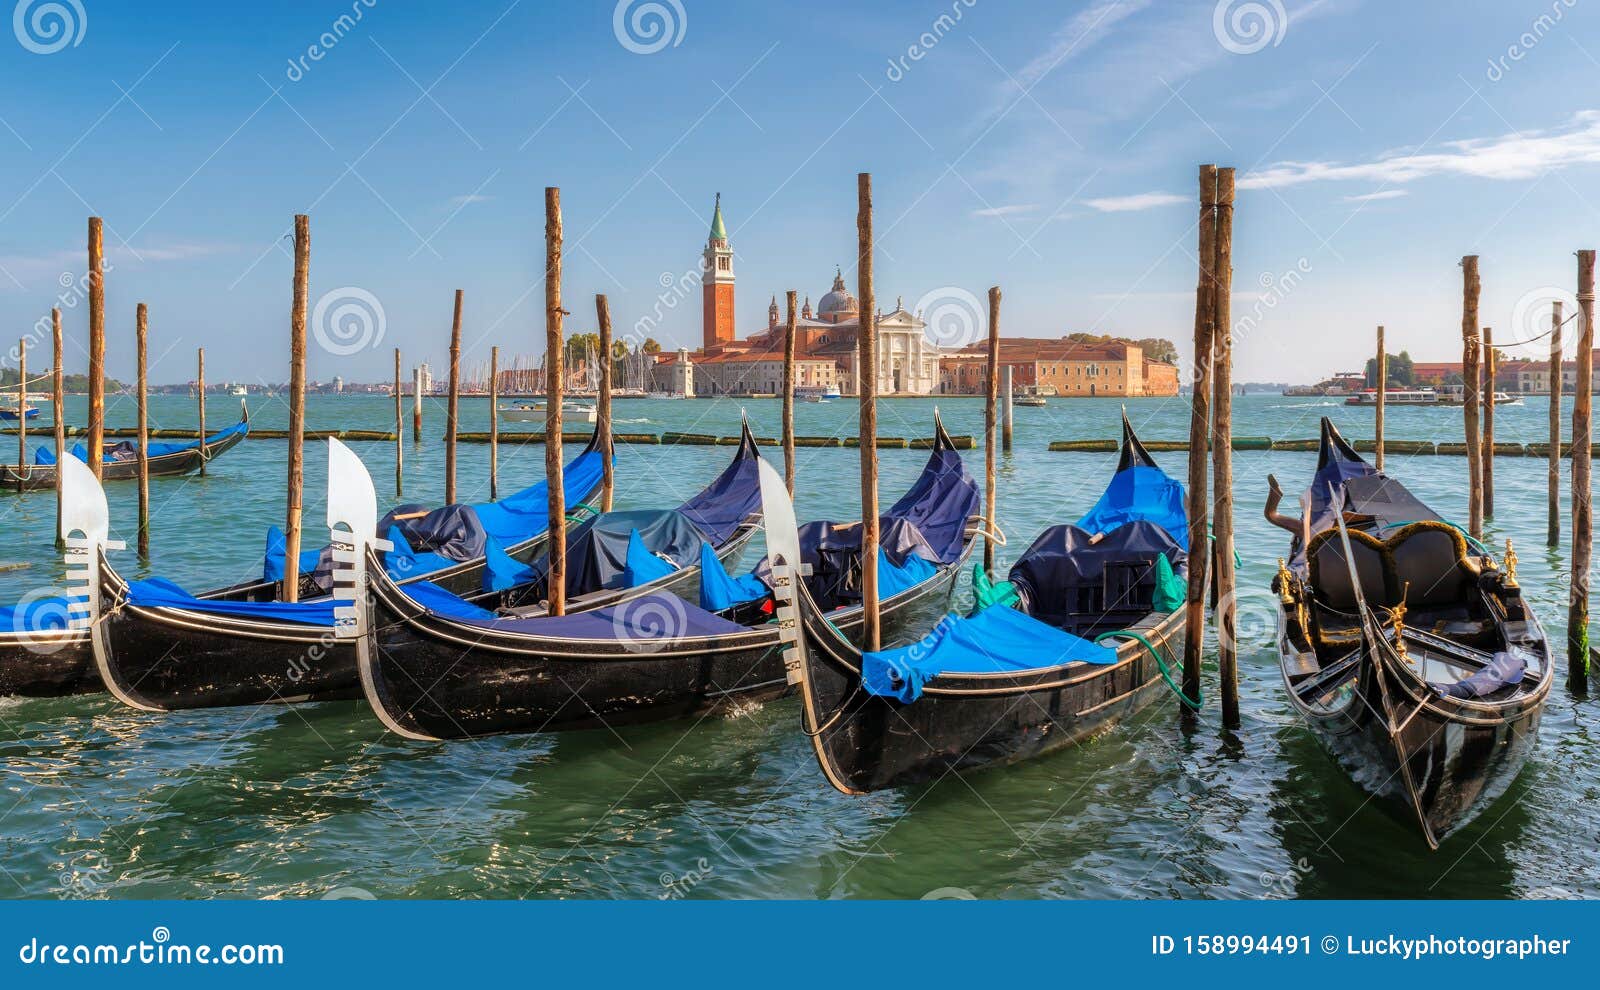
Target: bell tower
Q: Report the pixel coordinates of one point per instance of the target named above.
(717, 281)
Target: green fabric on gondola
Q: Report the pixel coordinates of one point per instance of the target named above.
(986, 592)
(1170, 589)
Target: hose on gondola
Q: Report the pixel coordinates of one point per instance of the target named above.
(1193, 704)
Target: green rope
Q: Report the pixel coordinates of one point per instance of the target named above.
(1238, 559)
(572, 513)
(1166, 675)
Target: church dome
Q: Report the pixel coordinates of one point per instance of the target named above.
(839, 301)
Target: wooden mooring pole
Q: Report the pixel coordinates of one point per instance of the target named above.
(399, 428)
(1005, 421)
(790, 328)
(297, 407)
(602, 423)
(141, 323)
(58, 404)
(416, 405)
(867, 387)
(97, 347)
(1490, 367)
(554, 380)
(991, 392)
(1582, 510)
(200, 402)
(22, 415)
(1383, 388)
(1553, 457)
(452, 408)
(1222, 453)
(494, 423)
(1470, 351)
(1199, 436)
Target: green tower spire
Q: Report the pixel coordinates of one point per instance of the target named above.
(718, 231)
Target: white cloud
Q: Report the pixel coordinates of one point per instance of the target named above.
(1078, 35)
(1373, 197)
(1518, 155)
(1010, 209)
(1138, 201)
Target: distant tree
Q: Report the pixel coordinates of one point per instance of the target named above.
(650, 346)
(1402, 371)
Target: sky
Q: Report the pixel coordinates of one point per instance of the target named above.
(1049, 148)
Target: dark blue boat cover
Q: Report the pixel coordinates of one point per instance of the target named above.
(128, 450)
(161, 593)
(1504, 670)
(525, 515)
(35, 616)
(597, 549)
(402, 561)
(719, 590)
(995, 640)
(441, 602)
(655, 617)
(1140, 492)
(939, 504)
(834, 552)
(1062, 574)
(451, 531)
(730, 499)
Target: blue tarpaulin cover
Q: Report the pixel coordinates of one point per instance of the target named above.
(996, 640)
(1504, 670)
(35, 616)
(441, 602)
(402, 561)
(128, 450)
(277, 549)
(893, 579)
(731, 498)
(719, 590)
(641, 566)
(940, 503)
(1140, 492)
(526, 514)
(161, 593)
(501, 570)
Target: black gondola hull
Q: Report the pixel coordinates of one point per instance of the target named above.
(47, 665)
(430, 678)
(37, 477)
(967, 722)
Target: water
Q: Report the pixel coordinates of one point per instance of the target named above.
(311, 801)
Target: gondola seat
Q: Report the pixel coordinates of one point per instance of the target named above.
(1334, 597)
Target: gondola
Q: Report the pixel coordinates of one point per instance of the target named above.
(436, 668)
(1406, 647)
(121, 460)
(1027, 674)
(158, 648)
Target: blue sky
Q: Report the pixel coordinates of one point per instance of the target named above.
(1049, 148)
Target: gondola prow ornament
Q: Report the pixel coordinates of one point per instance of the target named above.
(353, 526)
(783, 550)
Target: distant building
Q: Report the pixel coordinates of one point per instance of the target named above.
(1519, 376)
(1061, 367)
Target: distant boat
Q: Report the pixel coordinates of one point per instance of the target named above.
(524, 412)
(238, 390)
(1395, 397)
(10, 415)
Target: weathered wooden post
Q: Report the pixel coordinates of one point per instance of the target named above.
(867, 388)
(991, 397)
(97, 347)
(1199, 438)
(1470, 350)
(602, 419)
(1383, 389)
(399, 430)
(1490, 367)
(22, 415)
(554, 379)
(416, 405)
(58, 403)
(1553, 457)
(1222, 453)
(1005, 428)
(1582, 510)
(494, 423)
(790, 328)
(453, 404)
(141, 323)
(200, 402)
(297, 407)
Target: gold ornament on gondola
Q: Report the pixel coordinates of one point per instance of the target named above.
(1397, 620)
(1285, 581)
(1511, 563)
